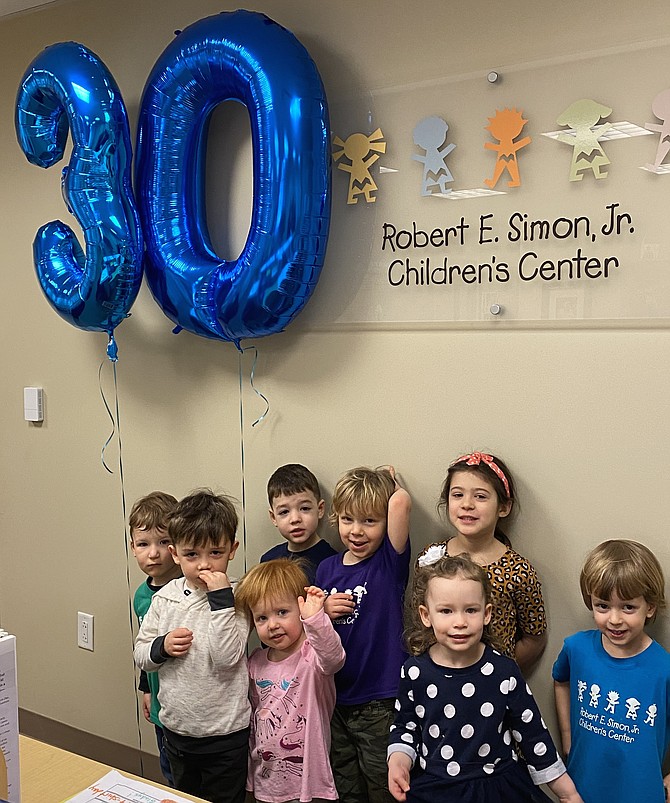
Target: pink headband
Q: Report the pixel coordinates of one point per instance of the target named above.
(476, 458)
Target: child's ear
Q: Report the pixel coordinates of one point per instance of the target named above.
(132, 547)
(173, 552)
(505, 509)
(651, 611)
(425, 618)
(321, 508)
(488, 611)
(272, 516)
(233, 550)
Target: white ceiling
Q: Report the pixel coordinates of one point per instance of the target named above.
(8, 7)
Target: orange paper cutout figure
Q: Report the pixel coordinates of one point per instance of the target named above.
(661, 108)
(587, 153)
(504, 126)
(359, 148)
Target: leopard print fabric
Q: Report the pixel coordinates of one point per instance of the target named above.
(516, 595)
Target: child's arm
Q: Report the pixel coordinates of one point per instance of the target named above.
(565, 790)
(528, 650)
(228, 630)
(399, 766)
(399, 508)
(326, 643)
(562, 700)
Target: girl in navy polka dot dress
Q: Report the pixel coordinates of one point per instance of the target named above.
(461, 704)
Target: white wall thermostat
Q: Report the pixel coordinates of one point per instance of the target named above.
(33, 404)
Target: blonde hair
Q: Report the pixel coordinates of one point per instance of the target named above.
(625, 568)
(271, 580)
(418, 636)
(362, 491)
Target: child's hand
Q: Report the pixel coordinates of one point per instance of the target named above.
(146, 705)
(398, 778)
(178, 642)
(339, 604)
(312, 602)
(213, 581)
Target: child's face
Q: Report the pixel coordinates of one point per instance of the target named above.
(196, 559)
(473, 506)
(456, 610)
(297, 517)
(278, 625)
(361, 534)
(151, 548)
(621, 622)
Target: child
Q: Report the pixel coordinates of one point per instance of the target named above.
(193, 637)
(292, 688)
(612, 684)
(296, 508)
(477, 492)
(149, 543)
(365, 587)
(461, 703)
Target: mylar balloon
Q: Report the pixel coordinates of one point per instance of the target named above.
(68, 87)
(242, 56)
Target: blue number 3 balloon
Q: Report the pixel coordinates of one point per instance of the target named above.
(247, 57)
(68, 87)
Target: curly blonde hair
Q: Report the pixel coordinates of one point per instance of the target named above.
(418, 636)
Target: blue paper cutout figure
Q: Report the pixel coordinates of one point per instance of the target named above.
(661, 108)
(430, 134)
(587, 153)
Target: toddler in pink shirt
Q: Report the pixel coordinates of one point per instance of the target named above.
(291, 687)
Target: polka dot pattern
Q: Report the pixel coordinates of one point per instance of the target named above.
(461, 724)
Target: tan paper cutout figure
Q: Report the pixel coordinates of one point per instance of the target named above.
(358, 148)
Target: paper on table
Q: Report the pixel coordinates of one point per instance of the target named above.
(116, 788)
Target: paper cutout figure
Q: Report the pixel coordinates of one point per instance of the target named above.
(358, 148)
(430, 134)
(661, 108)
(504, 126)
(587, 153)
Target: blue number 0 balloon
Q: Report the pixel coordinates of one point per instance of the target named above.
(68, 87)
(242, 56)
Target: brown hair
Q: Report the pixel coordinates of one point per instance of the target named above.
(151, 512)
(625, 568)
(292, 479)
(270, 580)
(419, 637)
(362, 491)
(488, 474)
(203, 518)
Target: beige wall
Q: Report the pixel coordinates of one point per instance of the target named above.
(580, 414)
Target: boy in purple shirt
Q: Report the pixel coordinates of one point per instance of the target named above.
(365, 588)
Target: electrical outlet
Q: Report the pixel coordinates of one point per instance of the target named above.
(85, 630)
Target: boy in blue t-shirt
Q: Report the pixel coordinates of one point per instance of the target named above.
(149, 542)
(612, 684)
(296, 508)
(365, 588)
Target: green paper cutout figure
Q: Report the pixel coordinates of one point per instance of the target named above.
(358, 148)
(504, 126)
(587, 153)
